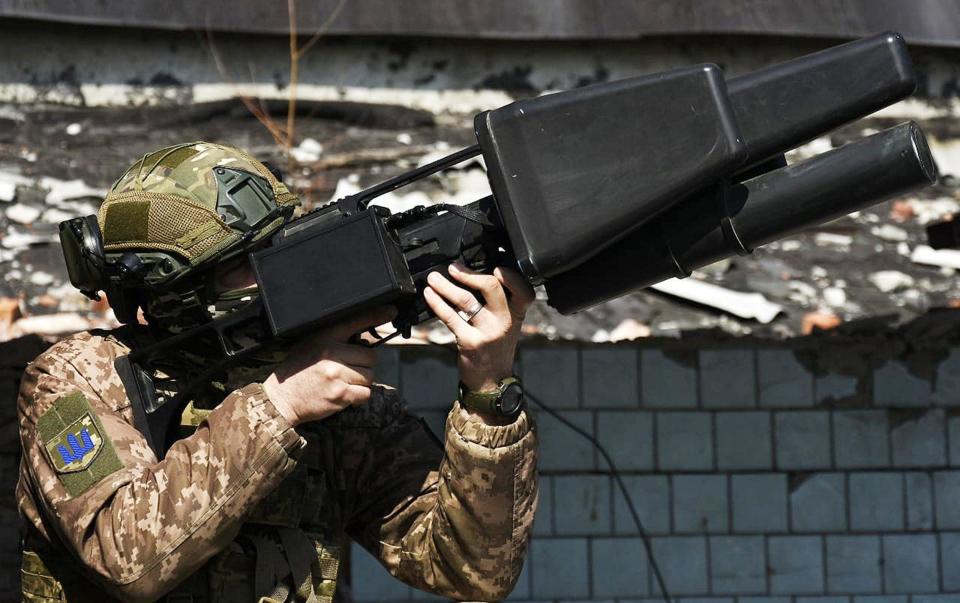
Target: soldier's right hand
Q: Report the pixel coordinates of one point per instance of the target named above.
(325, 374)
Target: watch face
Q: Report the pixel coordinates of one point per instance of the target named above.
(511, 399)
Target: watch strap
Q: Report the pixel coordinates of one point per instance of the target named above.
(486, 402)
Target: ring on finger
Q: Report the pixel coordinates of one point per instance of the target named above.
(467, 315)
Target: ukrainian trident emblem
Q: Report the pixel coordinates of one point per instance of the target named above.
(76, 446)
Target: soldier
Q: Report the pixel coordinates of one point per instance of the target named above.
(287, 454)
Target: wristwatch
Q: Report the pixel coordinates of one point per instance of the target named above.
(505, 401)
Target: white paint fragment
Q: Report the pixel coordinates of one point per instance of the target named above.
(829, 238)
(790, 245)
(308, 151)
(41, 278)
(945, 258)
(835, 297)
(23, 214)
(744, 305)
(889, 232)
(55, 216)
(20, 240)
(62, 190)
(933, 210)
(8, 191)
(628, 330)
(890, 280)
(404, 138)
(801, 292)
(74, 129)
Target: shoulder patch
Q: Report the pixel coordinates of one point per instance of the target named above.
(75, 444)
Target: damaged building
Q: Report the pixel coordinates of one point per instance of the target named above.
(785, 421)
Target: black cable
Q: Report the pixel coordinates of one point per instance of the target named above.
(615, 473)
(644, 537)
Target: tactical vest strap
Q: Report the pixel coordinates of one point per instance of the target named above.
(36, 581)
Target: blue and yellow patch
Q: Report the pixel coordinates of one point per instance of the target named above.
(76, 447)
(75, 444)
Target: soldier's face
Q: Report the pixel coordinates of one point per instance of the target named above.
(233, 275)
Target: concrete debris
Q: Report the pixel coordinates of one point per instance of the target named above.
(945, 258)
(825, 271)
(8, 191)
(812, 148)
(308, 151)
(9, 183)
(829, 238)
(41, 279)
(933, 210)
(802, 293)
(744, 305)
(63, 190)
(23, 214)
(835, 297)
(19, 240)
(628, 330)
(891, 280)
(947, 155)
(889, 232)
(55, 215)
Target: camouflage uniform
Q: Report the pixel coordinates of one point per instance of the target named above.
(247, 506)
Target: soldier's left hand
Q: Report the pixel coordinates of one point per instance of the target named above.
(487, 342)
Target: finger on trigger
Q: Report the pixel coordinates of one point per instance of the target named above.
(360, 355)
(343, 331)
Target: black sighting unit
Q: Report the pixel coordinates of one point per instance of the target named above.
(597, 191)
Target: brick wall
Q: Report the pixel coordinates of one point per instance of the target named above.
(823, 469)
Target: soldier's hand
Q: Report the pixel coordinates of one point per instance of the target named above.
(325, 374)
(487, 342)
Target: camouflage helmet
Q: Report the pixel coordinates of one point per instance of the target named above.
(184, 209)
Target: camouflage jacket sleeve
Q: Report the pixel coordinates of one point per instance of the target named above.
(455, 521)
(136, 525)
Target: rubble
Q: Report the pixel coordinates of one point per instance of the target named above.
(308, 151)
(889, 232)
(891, 280)
(945, 258)
(745, 305)
(62, 190)
(822, 276)
(23, 214)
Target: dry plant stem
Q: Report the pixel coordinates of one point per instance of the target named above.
(282, 136)
(297, 53)
(259, 112)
